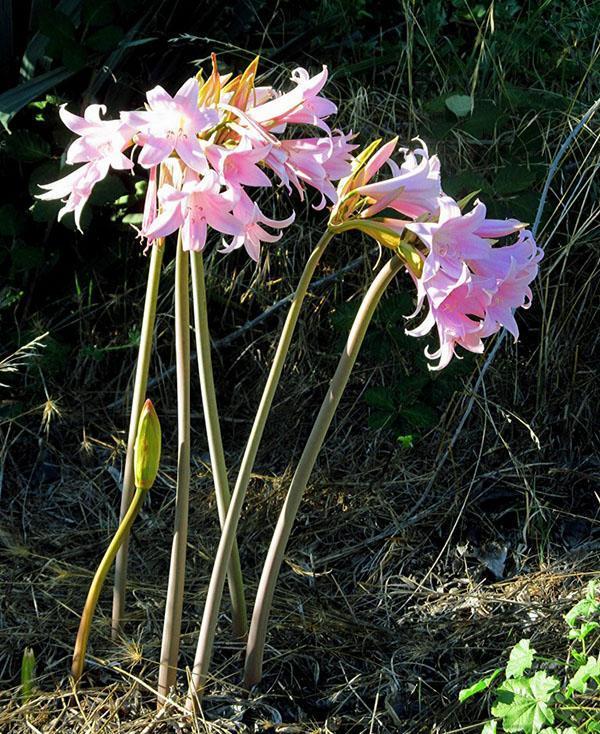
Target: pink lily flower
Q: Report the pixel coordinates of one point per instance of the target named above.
(301, 105)
(248, 213)
(313, 161)
(172, 124)
(198, 205)
(456, 310)
(456, 238)
(475, 301)
(509, 285)
(414, 188)
(238, 166)
(75, 188)
(99, 139)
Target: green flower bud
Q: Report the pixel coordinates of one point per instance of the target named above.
(146, 452)
(27, 674)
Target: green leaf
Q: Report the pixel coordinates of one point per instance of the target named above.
(460, 104)
(106, 39)
(98, 12)
(11, 221)
(380, 398)
(585, 608)
(523, 703)
(25, 145)
(135, 219)
(419, 415)
(26, 257)
(107, 191)
(578, 682)
(490, 727)
(480, 685)
(45, 211)
(521, 658)
(343, 316)
(57, 26)
(406, 441)
(16, 98)
(514, 178)
(580, 633)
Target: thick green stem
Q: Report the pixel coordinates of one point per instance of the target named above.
(139, 395)
(98, 582)
(217, 580)
(215, 443)
(268, 580)
(169, 653)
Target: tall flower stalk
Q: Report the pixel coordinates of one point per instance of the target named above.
(169, 652)
(270, 573)
(139, 392)
(215, 589)
(146, 458)
(213, 433)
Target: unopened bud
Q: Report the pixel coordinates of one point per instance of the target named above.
(27, 674)
(146, 452)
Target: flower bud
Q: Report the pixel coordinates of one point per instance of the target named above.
(146, 452)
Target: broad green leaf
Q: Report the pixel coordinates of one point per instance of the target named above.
(26, 145)
(585, 608)
(579, 681)
(106, 39)
(521, 658)
(513, 179)
(134, 219)
(480, 685)
(523, 704)
(380, 398)
(460, 104)
(26, 257)
(107, 191)
(420, 415)
(16, 98)
(11, 221)
(490, 727)
(583, 631)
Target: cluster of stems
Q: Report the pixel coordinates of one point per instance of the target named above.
(227, 560)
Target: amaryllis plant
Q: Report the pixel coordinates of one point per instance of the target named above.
(209, 150)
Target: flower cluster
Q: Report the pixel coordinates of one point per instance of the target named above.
(204, 148)
(471, 287)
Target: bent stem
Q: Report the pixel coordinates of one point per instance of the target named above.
(215, 589)
(268, 580)
(98, 582)
(215, 443)
(169, 653)
(139, 394)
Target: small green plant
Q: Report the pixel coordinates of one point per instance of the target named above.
(551, 696)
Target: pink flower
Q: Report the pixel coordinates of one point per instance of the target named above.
(198, 205)
(456, 238)
(172, 124)
(509, 285)
(313, 161)
(472, 289)
(75, 188)
(456, 310)
(248, 214)
(414, 188)
(99, 139)
(238, 166)
(302, 105)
